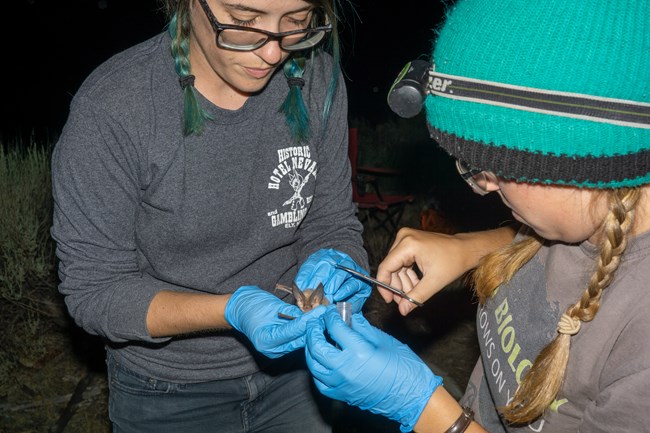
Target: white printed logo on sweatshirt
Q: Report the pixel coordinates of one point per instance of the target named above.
(295, 168)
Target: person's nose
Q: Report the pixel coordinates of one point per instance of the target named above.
(271, 52)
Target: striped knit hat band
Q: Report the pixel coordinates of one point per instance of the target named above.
(548, 92)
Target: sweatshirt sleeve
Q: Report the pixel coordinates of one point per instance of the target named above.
(331, 221)
(95, 185)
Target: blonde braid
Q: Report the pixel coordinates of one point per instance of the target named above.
(543, 381)
(614, 241)
(497, 268)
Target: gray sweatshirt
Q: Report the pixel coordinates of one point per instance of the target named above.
(607, 383)
(139, 208)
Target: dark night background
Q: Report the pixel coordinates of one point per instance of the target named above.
(51, 46)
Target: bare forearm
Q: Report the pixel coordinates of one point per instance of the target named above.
(176, 313)
(476, 245)
(440, 413)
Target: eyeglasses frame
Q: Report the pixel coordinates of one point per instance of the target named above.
(271, 36)
(468, 174)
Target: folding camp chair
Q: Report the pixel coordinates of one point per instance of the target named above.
(379, 211)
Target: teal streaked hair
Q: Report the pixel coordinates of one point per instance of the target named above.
(296, 114)
(334, 48)
(193, 115)
(293, 107)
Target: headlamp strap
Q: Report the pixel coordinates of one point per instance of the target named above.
(575, 105)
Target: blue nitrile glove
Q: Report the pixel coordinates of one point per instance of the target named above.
(254, 312)
(339, 285)
(372, 370)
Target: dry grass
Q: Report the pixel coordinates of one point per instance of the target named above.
(30, 304)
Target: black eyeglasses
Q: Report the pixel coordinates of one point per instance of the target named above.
(240, 38)
(478, 180)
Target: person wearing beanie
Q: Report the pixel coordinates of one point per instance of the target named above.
(198, 170)
(548, 105)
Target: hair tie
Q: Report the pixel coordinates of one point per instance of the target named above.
(187, 80)
(568, 325)
(295, 81)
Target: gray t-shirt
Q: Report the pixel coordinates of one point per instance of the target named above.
(607, 384)
(139, 208)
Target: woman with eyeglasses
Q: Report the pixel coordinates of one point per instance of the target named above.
(548, 105)
(196, 171)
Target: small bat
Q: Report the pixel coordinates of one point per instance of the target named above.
(306, 300)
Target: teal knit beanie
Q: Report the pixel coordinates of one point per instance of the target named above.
(549, 91)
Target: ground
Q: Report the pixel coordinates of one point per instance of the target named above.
(66, 390)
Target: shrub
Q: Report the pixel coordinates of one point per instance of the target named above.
(29, 300)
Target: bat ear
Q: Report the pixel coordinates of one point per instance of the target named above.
(318, 294)
(298, 294)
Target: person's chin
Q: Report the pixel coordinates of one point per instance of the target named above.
(518, 217)
(540, 232)
(252, 86)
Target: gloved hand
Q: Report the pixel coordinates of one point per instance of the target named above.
(254, 312)
(372, 370)
(339, 285)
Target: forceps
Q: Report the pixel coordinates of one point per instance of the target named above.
(371, 280)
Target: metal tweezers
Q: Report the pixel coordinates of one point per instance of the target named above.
(379, 283)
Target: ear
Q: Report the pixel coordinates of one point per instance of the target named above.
(318, 294)
(298, 294)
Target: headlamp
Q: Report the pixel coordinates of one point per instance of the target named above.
(407, 93)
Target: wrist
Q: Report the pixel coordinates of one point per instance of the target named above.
(440, 414)
(226, 301)
(473, 246)
(463, 422)
(411, 416)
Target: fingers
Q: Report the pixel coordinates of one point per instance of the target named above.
(405, 307)
(407, 280)
(411, 276)
(396, 268)
(290, 310)
(368, 332)
(344, 335)
(398, 259)
(324, 271)
(430, 252)
(321, 354)
(296, 328)
(353, 290)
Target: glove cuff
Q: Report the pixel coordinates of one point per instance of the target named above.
(413, 411)
(230, 312)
